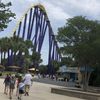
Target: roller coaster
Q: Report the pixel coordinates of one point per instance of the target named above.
(34, 25)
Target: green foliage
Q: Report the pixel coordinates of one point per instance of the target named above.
(27, 63)
(36, 57)
(68, 61)
(5, 15)
(43, 69)
(56, 65)
(81, 40)
(21, 50)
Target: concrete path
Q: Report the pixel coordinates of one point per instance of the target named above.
(38, 91)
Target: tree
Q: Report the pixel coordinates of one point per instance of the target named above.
(55, 65)
(5, 15)
(4, 45)
(68, 61)
(36, 58)
(43, 69)
(81, 42)
(18, 51)
(27, 63)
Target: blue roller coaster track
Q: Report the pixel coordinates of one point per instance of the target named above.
(34, 25)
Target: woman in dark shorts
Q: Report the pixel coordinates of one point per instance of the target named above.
(21, 88)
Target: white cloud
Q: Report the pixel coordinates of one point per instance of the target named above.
(55, 12)
(89, 8)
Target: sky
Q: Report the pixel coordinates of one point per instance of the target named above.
(58, 11)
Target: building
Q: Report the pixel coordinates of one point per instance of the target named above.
(71, 73)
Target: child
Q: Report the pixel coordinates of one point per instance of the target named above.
(19, 79)
(21, 87)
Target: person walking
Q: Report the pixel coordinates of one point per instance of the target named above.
(11, 86)
(21, 89)
(7, 83)
(27, 81)
(18, 80)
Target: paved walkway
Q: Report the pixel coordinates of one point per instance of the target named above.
(39, 91)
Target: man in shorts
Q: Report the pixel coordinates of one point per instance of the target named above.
(27, 82)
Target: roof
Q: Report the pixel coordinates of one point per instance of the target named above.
(14, 67)
(65, 69)
(86, 69)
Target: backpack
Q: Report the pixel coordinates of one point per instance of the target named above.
(12, 83)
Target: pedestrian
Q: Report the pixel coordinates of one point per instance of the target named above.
(19, 79)
(11, 86)
(7, 83)
(56, 77)
(27, 81)
(21, 89)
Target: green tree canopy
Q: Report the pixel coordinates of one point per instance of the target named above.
(5, 15)
(81, 43)
(22, 50)
(43, 69)
(56, 65)
(81, 40)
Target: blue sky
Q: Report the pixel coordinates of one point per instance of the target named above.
(58, 11)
